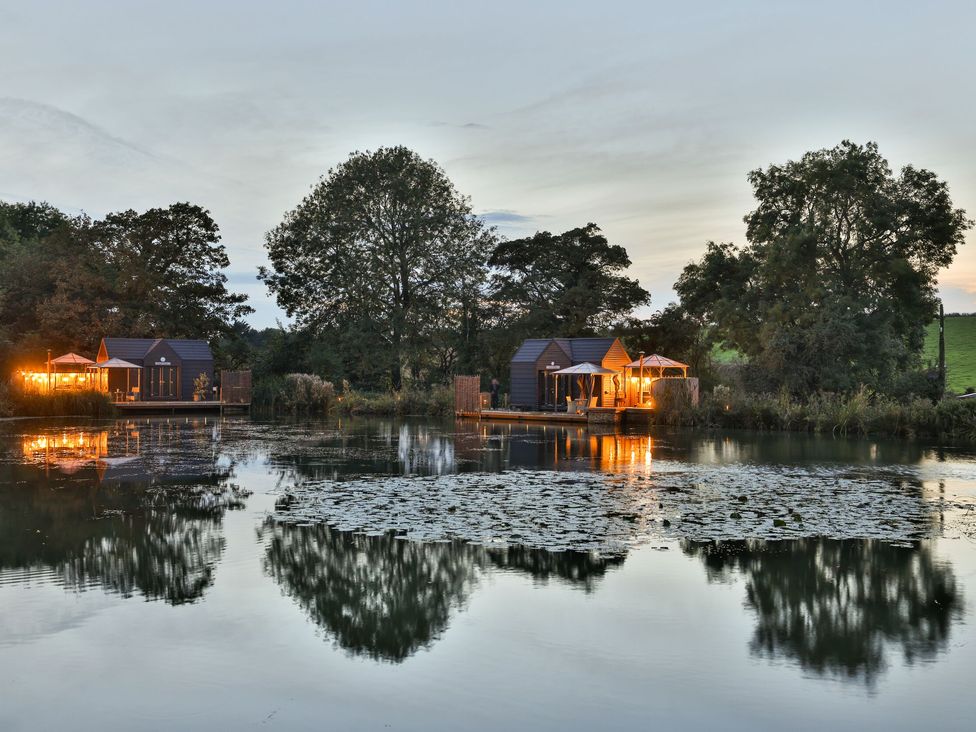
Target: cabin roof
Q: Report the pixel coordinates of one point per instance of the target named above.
(126, 348)
(531, 349)
(129, 348)
(590, 349)
(578, 350)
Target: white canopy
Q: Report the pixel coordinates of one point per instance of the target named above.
(584, 369)
(657, 362)
(116, 363)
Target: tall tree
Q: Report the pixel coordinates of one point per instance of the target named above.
(570, 284)
(68, 281)
(29, 256)
(385, 246)
(671, 332)
(168, 269)
(838, 280)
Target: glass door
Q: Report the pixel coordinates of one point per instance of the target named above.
(164, 382)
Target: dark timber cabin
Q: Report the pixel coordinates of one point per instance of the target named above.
(534, 387)
(169, 366)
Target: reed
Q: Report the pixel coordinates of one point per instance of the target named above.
(17, 403)
(861, 412)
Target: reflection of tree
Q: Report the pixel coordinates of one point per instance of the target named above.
(151, 532)
(583, 569)
(837, 606)
(386, 597)
(377, 595)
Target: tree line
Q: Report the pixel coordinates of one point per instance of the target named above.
(67, 281)
(391, 280)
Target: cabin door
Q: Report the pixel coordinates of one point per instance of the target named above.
(164, 382)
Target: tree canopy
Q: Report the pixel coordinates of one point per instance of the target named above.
(385, 256)
(838, 280)
(68, 281)
(570, 284)
(556, 285)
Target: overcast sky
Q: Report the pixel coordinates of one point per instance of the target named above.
(641, 117)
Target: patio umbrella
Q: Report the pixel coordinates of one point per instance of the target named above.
(586, 370)
(118, 363)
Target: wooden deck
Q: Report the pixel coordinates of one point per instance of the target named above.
(596, 415)
(173, 407)
(512, 415)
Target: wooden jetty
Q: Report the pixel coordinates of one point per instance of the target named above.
(172, 407)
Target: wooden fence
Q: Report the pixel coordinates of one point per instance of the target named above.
(467, 394)
(235, 387)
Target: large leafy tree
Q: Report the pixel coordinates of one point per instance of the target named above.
(384, 254)
(68, 281)
(570, 284)
(671, 332)
(29, 256)
(167, 266)
(838, 280)
(565, 285)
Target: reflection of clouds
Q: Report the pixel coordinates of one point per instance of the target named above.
(838, 608)
(386, 598)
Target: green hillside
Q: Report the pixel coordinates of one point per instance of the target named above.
(960, 350)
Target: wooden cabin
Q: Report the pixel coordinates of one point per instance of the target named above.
(533, 385)
(167, 368)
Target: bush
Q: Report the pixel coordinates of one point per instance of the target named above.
(437, 401)
(859, 413)
(87, 403)
(297, 393)
(6, 401)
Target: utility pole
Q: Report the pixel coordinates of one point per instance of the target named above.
(942, 363)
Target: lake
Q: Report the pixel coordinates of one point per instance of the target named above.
(204, 573)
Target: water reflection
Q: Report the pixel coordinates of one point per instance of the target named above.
(132, 508)
(386, 598)
(840, 608)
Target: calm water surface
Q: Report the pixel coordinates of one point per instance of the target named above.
(236, 574)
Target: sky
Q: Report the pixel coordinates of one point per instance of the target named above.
(641, 117)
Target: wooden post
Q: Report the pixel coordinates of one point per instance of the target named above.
(640, 382)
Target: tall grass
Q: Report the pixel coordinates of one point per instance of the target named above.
(859, 413)
(309, 394)
(435, 401)
(17, 403)
(294, 393)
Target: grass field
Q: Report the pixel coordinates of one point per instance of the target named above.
(960, 338)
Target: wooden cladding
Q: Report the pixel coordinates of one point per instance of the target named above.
(467, 394)
(235, 387)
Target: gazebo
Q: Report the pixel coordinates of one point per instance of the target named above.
(657, 367)
(104, 368)
(585, 373)
(68, 372)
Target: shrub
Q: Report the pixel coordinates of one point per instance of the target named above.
(859, 413)
(437, 401)
(87, 403)
(297, 393)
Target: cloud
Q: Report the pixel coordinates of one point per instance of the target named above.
(463, 126)
(503, 217)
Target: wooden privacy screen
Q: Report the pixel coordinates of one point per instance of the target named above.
(235, 387)
(467, 393)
